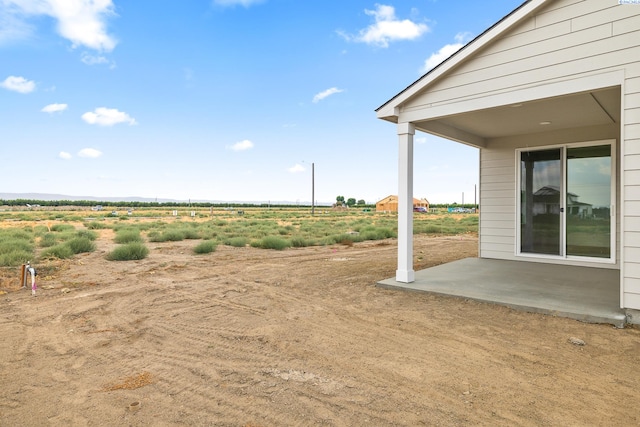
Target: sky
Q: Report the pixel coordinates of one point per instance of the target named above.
(225, 100)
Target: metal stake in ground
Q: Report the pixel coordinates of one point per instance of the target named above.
(32, 272)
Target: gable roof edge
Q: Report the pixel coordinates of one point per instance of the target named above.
(514, 17)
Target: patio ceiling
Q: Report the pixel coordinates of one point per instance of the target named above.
(593, 108)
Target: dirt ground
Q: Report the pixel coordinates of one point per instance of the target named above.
(254, 337)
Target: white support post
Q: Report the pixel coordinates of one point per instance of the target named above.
(405, 272)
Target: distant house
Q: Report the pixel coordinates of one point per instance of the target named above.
(577, 208)
(547, 201)
(390, 204)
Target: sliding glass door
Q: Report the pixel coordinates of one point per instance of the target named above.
(541, 181)
(589, 201)
(565, 201)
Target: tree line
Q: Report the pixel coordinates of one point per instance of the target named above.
(139, 204)
(351, 201)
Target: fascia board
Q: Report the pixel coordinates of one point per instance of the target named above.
(391, 107)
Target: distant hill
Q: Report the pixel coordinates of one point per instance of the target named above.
(50, 197)
(56, 197)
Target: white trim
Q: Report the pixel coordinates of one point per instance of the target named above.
(621, 208)
(563, 226)
(520, 13)
(568, 85)
(405, 272)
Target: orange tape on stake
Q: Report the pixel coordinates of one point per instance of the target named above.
(23, 276)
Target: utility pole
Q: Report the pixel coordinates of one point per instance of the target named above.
(313, 195)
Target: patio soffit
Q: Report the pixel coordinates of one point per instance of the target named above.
(592, 108)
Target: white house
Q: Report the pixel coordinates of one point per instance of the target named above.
(550, 95)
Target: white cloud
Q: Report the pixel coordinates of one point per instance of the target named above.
(18, 84)
(387, 28)
(107, 117)
(245, 3)
(93, 60)
(91, 153)
(96, 60)
(296, 169)
(322, 95)
(64, 155)
(242, 145)
(83, 22)
(11, 26)
(445, 52)
(54, 108)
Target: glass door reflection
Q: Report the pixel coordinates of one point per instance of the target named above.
(540, 198)
(588, 202)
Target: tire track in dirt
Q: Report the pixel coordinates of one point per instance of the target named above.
(218, 314)
(236, 369)
(252, 337)
(199, 322)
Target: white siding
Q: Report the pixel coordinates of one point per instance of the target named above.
(497, 199)
(565, 42)
(631, 270)
(561, 46)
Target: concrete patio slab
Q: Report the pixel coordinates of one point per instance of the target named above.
(584, 293)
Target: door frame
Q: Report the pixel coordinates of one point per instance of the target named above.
(563, 201)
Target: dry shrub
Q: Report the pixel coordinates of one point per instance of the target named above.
(131, 382)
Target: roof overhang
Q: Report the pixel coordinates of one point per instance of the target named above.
(597, 107)
(390, 110)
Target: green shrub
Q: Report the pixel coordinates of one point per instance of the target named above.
(128, 252)
(48, 240)
(205, 247)
(190, 233)
(91, 235)
(40, 230)
(327, 240)
(16, 247)
(172, 236)
(62, 227)
(81, 245)
(128, 235)
(143, 226)
(154, 236)
(14, 257)
(209, 234)
(300, 242)
(283, 231)
(237, 242)
(60, 251)
(273, 242)
(376, 233)
(95, 225)
(16, 234)
(66, 235)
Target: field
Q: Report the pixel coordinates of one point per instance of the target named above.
(297, 335)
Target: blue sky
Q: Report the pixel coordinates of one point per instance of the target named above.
(228, 100)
